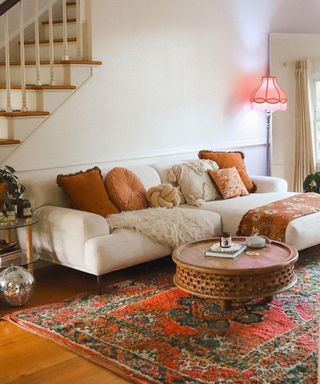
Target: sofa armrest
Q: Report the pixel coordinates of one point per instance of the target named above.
(269, 184)
(61, 233)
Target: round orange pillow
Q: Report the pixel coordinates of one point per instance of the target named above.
(125, 189)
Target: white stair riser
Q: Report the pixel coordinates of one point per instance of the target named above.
(58, 31)
(71, 12)
(59, 75)
(44, 100)
(19, 127)
(63, 74)
(45, 51)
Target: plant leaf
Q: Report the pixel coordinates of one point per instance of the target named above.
(10, 169)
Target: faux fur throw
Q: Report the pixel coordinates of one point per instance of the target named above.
(172, 227)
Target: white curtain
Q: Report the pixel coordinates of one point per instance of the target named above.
(304, 163)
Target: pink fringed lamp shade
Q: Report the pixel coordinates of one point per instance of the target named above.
(269, 96)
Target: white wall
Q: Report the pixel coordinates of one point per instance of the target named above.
(285, 50)
(176, 76)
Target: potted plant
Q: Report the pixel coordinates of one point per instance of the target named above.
(312, 183)
(11, 189)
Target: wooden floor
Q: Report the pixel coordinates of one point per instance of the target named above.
(28, 358)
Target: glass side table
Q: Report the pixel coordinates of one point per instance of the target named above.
(20, 258)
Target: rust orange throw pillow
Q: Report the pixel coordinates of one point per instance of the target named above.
(126, 189)
(228, 182)
(228, 160)
(87, 192)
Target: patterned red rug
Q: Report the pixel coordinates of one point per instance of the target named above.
(148, 331)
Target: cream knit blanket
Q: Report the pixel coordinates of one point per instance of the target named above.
(172, 227)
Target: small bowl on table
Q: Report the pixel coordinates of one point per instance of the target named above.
(257, 242)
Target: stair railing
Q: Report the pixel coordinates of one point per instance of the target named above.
(4, 10)
(79, 34)
(65, 31)
(51, 45)
(37, 41)
(22, 60)
(7, 55)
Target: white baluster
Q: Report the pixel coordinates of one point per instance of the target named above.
(22, 59)
(51, 46)
(65, 31)
(36, 40)
(79, 36)
(7, 53)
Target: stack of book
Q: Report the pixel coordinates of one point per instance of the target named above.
(229, 253)
(9, 254)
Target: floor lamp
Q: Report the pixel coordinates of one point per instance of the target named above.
(269, 97)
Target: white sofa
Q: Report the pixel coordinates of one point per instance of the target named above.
(83, 241)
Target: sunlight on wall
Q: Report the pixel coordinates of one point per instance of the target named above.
(248, 123)
(252, 20)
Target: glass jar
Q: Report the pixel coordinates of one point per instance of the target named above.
(225, 240)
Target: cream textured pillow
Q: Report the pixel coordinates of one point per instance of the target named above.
(229, 182)
(194, 181)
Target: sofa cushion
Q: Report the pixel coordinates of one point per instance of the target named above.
(194, 181)
(301, 233)
(87, 192)
(229, 182)
(228, 160)
(125, 189)
(232, 210)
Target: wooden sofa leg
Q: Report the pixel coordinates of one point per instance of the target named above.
(99, 285)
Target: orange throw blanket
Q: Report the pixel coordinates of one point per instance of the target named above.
(271, 220)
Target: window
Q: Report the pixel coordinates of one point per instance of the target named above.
(317, 120)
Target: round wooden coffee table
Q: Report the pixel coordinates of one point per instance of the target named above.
(243, 278)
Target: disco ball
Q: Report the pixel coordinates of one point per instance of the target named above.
(16, 285)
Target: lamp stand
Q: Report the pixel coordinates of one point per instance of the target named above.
(268, 144)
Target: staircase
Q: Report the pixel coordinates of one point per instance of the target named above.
(52, 64)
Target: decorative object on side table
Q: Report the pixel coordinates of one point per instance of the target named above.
(12, 204)
(312, 183)
(16, 285)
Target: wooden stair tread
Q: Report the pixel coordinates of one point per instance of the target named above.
(9, 142)
(59, 21)
(55, 41)
(41, 87)
(47, 62)
(24, 114)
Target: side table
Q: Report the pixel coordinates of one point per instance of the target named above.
(23, 258)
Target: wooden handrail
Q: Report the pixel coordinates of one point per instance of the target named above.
(6, 5)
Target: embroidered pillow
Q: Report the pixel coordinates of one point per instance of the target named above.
(125, 189)
(228, 160)
(87, 192)
(194, 181)
(228, 182)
